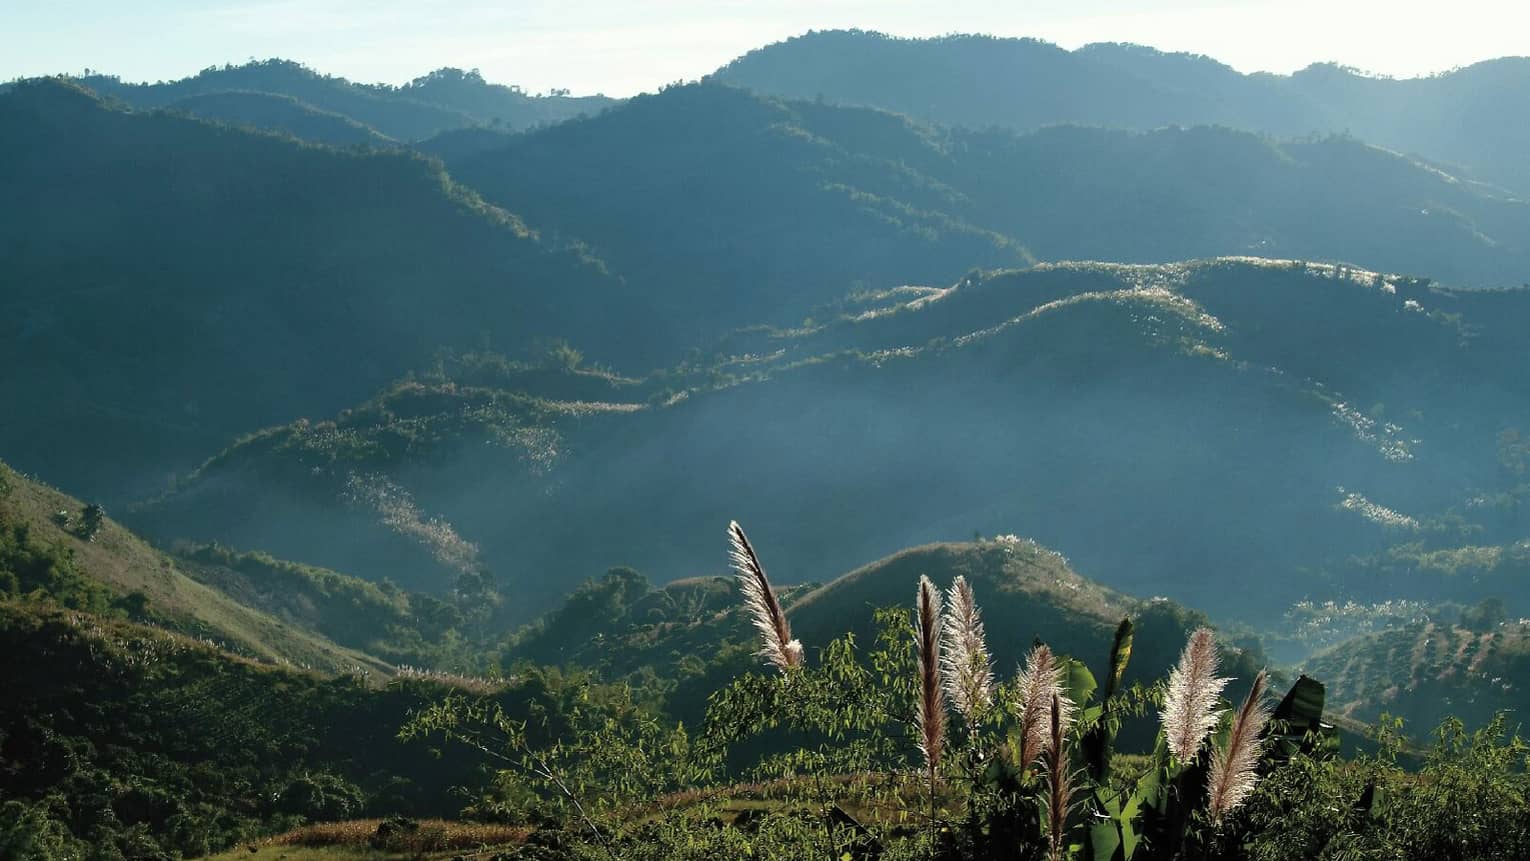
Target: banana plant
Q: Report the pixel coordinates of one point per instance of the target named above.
(1196, 774)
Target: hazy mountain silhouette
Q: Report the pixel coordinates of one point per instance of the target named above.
(749, 209)
(440, 101)
(1469, 118)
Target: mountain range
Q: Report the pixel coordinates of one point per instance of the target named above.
(452, 376)
(305, 278)
(1462, 119)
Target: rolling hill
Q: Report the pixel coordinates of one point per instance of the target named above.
(1461, 118)
(1168, 427)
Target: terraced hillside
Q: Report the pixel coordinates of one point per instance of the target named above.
(1429, 671)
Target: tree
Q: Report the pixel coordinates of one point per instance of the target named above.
(91, 519)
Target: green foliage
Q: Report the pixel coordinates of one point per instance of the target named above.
(34, 570)
(92, 517)
(114, 734)
(406, 628)
(839, 733)
(321, 797)
(569, 750)
(1468, 801)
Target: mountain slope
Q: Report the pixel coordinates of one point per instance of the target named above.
(1428, 671)
(154, 585)
(1167, 427)
(729, 210)
(280, 114)
(171, 284)
(128, 741)
(1461, 118)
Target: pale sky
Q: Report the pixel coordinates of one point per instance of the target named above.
(620, 47)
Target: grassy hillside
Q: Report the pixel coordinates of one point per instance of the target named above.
(172, 284)
(1460, 118)
(143, 582)
(443, 100)
(1201, 416)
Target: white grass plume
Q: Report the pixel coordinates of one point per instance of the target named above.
(1190, 706)
(777, 646)
(1234, 767)
(931, 707)
(965, 665)
(1059, 781)
(1041, 681)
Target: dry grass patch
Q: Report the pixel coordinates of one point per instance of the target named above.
(425, 835)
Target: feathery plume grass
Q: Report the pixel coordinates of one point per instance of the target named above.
(1233, 768)
(965, 664)
(1190, 706)
(1041, 681)
(777, 646)
(1059, 783)
(931, 712)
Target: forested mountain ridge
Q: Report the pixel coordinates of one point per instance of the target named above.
(1371, 415)
(1461, 118)
(731, 210)
(171, 284)
(440, 101)
(746, 209)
